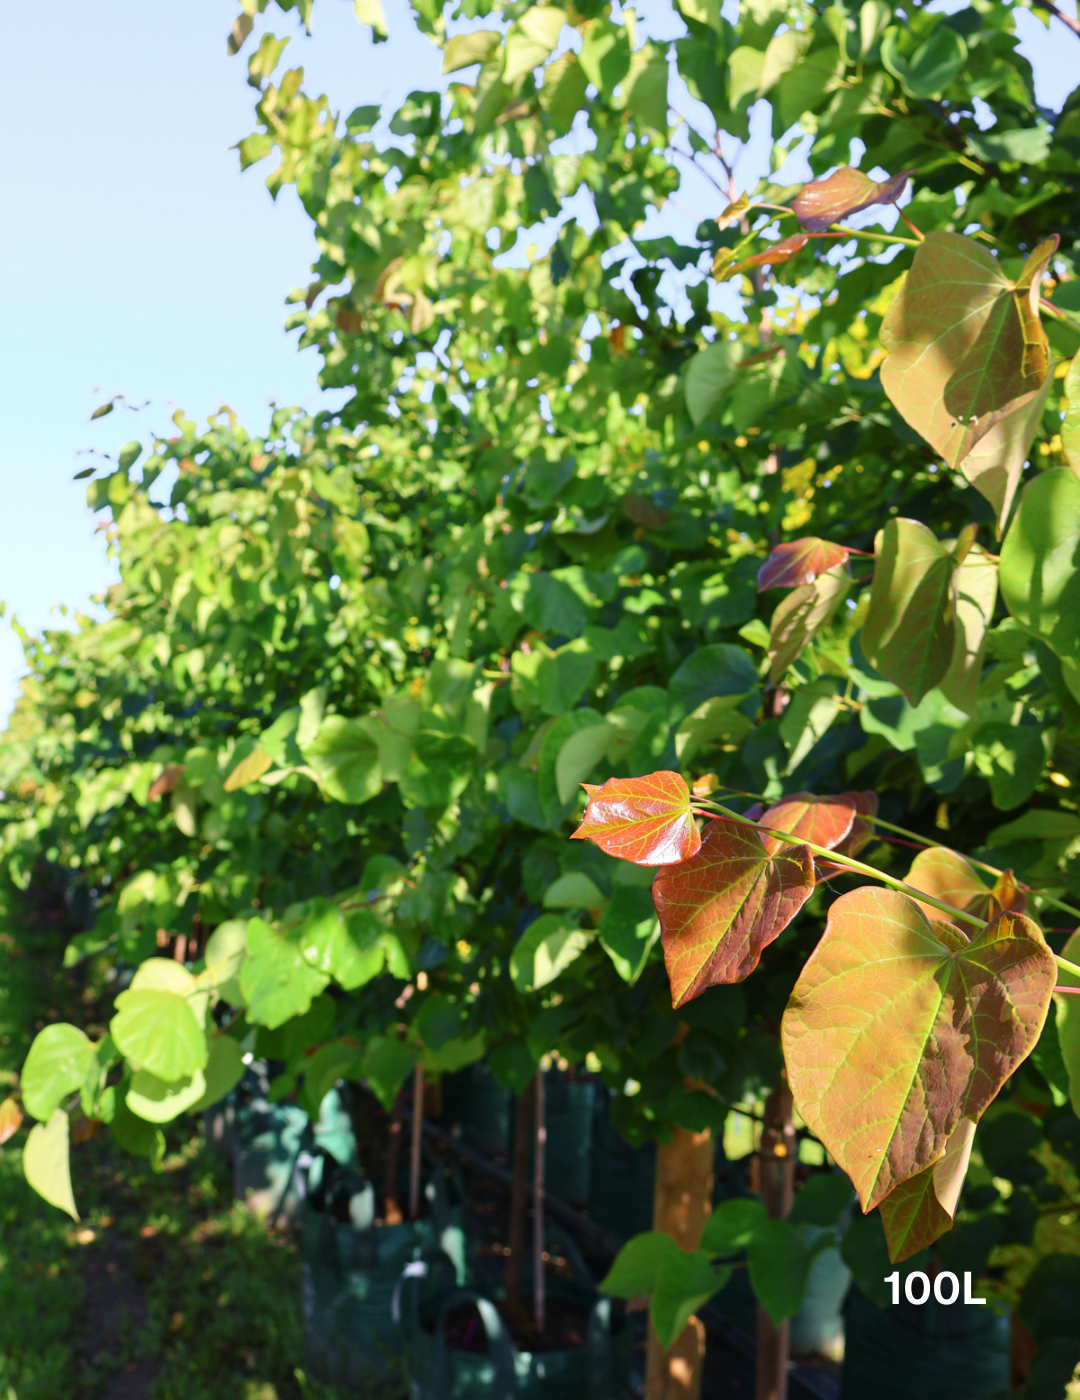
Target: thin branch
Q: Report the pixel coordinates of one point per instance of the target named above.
(1067, 20)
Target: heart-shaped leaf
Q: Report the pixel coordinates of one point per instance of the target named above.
(897, 1028)
(949, 877)
(921, 1209)
(801, 615)
(1040, 562)
(772, 256)
(55, 1067)
(799, 561)
(1070, 427)
(645, 820)
(721, 909)
(909, 632)
(683, 1283)
(46, 1163)
(843, 193)
(825, 821)
(964, 343)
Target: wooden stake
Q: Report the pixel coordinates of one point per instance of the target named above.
(778, 1155)
(539, 1149)
(681, 1205)
(391, 1210)
(417, 1140)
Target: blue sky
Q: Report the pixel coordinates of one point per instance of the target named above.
(140, 262)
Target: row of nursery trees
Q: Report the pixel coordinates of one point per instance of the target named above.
(777, 612)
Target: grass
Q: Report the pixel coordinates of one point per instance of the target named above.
(166, 1289)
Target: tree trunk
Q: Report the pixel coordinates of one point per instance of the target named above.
(519, 1199)
(684, 1181)
(778, 1154)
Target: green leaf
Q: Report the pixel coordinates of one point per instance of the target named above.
(386, 1066)
(1070, 428)
(807, 718)
(531, 40)
(780, 1264)
(226, 949)
(718, 670)
(276, 979)
(637, 1264)
(605, 54)
(957, 340)
(55, 1067)
(1028, 145)
(249, 769)
(646, 89)
(463, 50)
(974, 595)
(822, 1199)
(573, 891)
(440, 770)
(563, 93)
(578, 756)
(629, 930)
(46, 1165)
(345, 759)
(370, 12)
(910, 633)
(731, 1225)
(1012, 758)
(545, 950)
(157, 1026)
(1067, 1015)
(224, 1070)
(802, 614)
(897, 1028)
(716, 721)
(935, 63)
(160, 1102)
(683, 1283)
(136, 1135)
(1040, 562)
(347, 948)
(710, 374)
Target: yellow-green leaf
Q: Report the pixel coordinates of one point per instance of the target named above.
(46, 1165)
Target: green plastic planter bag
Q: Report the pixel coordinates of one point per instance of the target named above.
(570, 1106)
(353, 1269)
(479, 1110)
(933, 1352)
(599, 1370)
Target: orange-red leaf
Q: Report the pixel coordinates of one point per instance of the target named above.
(645, 820)
(845, 192)
(781, 252)
(898, 1028)
(824, 820)
(799, 561)
(947, 876)
(721, 909)
(11, 1117)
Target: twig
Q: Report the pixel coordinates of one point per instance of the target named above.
(1067, 20)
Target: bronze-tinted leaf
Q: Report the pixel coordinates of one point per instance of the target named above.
(824, 820)
(735, 212)
(947, 876)
(801, 615)
(165, 781)
(862, 830)
(962, 343)
(644, 820)
(772, 256)
(909, 632)
(922, 1209)
(898, 1028)
(719, 910)
(843, 193)
(797, 562)
(11, 1117)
